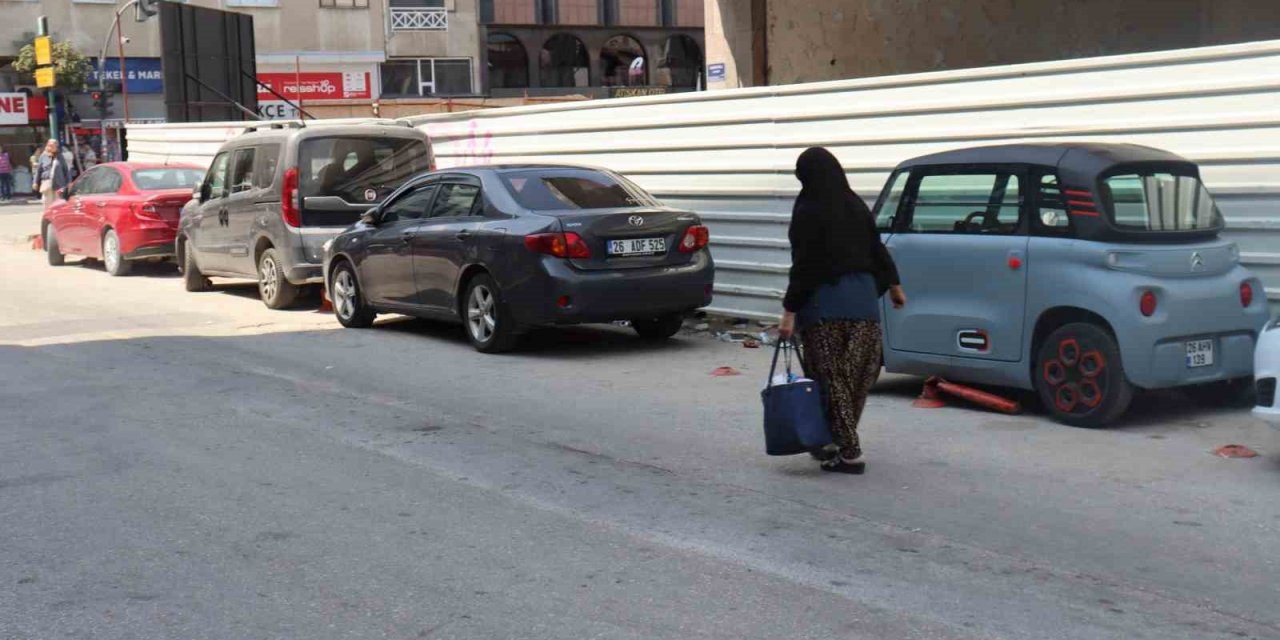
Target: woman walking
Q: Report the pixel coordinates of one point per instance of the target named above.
(51, 174)
(839, 270)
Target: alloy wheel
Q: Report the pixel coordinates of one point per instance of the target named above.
(481, 317)
(344, 294)
(268, 278)
(111, 252)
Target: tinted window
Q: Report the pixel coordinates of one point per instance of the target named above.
(242, 171)
(1161, 202)
(409, 206)
(455, 200)
(158, 179)
(1051, 207)
(264, 172)
(966, 203)
(561, 189)
(355, 168)
(217, 177)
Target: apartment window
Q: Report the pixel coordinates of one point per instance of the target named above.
(253, 3)
(344, 4)
(427, 77)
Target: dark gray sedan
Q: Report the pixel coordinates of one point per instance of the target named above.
(505, 248)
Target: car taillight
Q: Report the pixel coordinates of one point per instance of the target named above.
(147, 211)
(1246, 294)
(290, 207)
(1147, 305)
(696, 237)
(560, 245)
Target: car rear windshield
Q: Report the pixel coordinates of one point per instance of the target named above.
(1161, 201)
(570, 189)
(355, 168)
(174, 178)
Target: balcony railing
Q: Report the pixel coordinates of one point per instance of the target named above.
(415, 19)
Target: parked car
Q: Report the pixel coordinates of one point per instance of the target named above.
(119, 212)
(274, 195)
(1266, 368)
(504, 248)
(1083, 271)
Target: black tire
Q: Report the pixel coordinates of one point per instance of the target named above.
(1080, 378)
(192, 279)
(51, 249)
(489, 324)
(276, 290)
(1238, 393)
(112, 259)
(659, 328)
(348, 300)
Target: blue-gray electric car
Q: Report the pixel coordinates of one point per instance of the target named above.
(504, 248)
(1082, 271)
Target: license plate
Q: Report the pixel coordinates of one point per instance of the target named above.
(637, 247)
(1199, 353)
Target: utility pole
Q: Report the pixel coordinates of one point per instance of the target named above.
(50, 95)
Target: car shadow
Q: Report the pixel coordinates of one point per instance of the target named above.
(309, 300)
(540, 342)
(143, 269)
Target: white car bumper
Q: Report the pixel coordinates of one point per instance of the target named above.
(1266, 369)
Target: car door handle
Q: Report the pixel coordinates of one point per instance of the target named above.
(462, 235)
(101, 203)
(406, 236)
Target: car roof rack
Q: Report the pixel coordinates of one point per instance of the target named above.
(262, 125)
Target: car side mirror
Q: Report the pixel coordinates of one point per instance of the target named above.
(370, 217)
(62, 193)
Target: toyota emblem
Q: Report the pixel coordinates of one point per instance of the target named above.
(370, 195)
(635, 221)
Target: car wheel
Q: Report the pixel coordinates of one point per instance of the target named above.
(192, 278)
(276, 290)
(348, 303)
(1080, 378)
(51, 248)
(1238, 393)
(111, 257)
(659, 328)
(489, 324)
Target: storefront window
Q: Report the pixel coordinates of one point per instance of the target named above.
(623, 63)
(681, 62)
(427, 77)
(564, 62)
(508, 62)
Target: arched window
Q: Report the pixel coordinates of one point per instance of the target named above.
(564, 62)
(623, 63)
(681, 62)
(508, 62)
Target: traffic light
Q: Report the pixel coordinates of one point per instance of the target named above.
(146, 9)
(101, 101)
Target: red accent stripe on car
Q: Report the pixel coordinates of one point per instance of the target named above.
(1078, 192)
(1081, 212)
(1083, 204)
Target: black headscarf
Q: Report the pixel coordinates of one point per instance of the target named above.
(822, 178)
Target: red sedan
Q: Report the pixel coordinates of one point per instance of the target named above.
(119, 212)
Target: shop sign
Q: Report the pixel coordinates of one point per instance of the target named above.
(277, 110)
(15, 109)
(145, 75)
(316, 85)
(631, 92)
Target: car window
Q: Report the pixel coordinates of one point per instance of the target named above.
(1051, 206)
(1161, 202)
(242, 171)
(987, 203)
(169, 178)
(889, 208)
(107, 181)
(359, 169)
(568, 189)
(266, 160)
(217, 177)
(455, 200)
(411, 205)
(85, 185)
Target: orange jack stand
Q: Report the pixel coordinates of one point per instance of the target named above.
(929, 398)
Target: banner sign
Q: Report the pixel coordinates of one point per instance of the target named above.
(18, 109)
(144, 74)
(317, 85)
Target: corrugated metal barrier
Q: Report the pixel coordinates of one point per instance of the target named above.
(729, 154)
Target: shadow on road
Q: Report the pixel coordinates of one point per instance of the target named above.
(556, 342)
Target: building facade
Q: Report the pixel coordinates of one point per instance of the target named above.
(596, 48)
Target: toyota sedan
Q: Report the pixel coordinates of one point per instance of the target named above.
(505, 248)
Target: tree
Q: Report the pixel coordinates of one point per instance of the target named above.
(70, 67)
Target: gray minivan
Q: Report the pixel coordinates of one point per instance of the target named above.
(275, 194)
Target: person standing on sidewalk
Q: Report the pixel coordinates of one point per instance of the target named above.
(6, 176)
(839, 270)
(52, 174)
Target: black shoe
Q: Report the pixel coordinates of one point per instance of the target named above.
(823, 454)
(840, 465)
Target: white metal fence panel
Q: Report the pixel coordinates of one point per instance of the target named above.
(729, 154)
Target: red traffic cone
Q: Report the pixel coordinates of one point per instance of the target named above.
(929, 398)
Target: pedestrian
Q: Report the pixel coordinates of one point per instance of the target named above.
(839, 271)
(51, 174)
(6, 176)
(87, 157)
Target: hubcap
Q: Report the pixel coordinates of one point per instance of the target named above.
(268, 278)
(1075, 377)
(344, 294)
(111, 251)
(481, 316)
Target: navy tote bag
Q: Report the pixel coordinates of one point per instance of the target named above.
(795, 417)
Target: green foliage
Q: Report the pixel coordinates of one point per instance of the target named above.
(71, 68)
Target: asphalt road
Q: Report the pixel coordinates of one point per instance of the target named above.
(178, 465)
